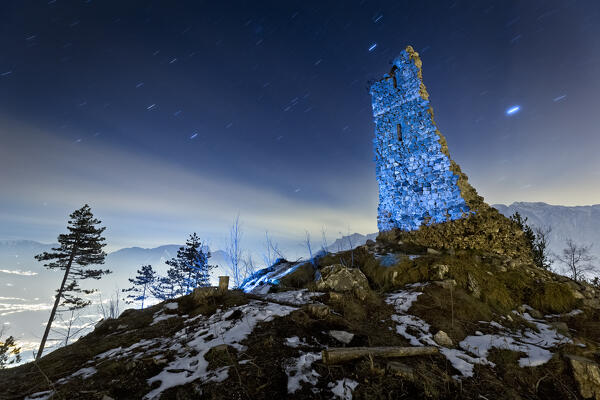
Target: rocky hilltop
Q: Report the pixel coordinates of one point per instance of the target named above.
(389, 319)
(446, 303)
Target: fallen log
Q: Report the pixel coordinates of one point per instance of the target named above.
(343, 354)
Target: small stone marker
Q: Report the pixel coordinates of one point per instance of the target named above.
(223, 283)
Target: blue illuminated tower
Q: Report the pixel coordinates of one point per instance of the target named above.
(418, 182)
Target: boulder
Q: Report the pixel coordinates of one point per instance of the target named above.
(342, 336)
(440, 271)
(318, 310)
(339, 278)
(443, 339)
(587, 375)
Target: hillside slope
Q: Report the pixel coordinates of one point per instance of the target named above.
(509, 331)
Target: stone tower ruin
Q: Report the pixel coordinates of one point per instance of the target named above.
(419, 184)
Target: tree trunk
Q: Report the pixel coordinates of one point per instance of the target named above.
(144, 295)
(340, 355)
(56, 303)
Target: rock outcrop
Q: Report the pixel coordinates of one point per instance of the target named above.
(339, 278)
(587, 374)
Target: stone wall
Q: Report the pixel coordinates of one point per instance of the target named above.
(418, 181)
(424, 197)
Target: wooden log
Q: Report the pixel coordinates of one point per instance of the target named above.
(343, 354)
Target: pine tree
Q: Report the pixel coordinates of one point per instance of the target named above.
(10, 353)
(77, 250)
(190, 266)
(522, 224)
(537, 239)
(167, 287)
(140, 291)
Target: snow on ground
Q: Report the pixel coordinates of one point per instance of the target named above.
(191, 345)
(300, 370)
(295, 342)
(569, 314)
(534, 344)
(40, 395)
(159, 316)
(403, 300)
(299, 297)
(343, 388)
(84, 373)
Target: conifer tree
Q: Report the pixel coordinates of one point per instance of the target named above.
(537, 239)
(143, 281)
(77, 250)
(190, 266)
(10, 353)
(168, 287)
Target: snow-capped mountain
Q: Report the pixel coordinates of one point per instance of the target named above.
(580, 223)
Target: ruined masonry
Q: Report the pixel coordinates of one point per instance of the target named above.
(418, 181)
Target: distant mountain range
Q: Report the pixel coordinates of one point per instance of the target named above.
(580, 223)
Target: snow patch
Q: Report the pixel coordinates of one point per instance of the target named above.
(343, 388)
(162, 317)
(295, 342)
(300, 370)
(46, 395)
(534, 344)
(403, 300)
(193, 342)
(172, 306)
(84, 373)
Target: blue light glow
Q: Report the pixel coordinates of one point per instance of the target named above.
(193, 136)
(416, 185)
(513, 109)
(373, 46)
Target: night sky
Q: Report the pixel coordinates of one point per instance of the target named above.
(172, 117)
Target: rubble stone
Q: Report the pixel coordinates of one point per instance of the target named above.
(342, 336)
(339, 278)
(587, 375)
(318, 310)
(443, 339)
